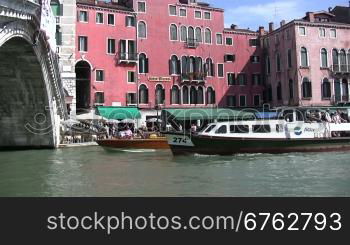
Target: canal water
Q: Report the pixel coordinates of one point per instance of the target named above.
(92, 171)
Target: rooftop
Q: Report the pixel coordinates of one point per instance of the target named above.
(103, 4)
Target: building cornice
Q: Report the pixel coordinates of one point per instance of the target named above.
(200, 7)
(99, 8)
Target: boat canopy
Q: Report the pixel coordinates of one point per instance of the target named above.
(208, 114)
(118, 113)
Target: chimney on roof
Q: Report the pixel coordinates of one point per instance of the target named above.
(329, 9)
(310, 16)
(261, 30)
(233, 27)
(283, 22)
(271, 27)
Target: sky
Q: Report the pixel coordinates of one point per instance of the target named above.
(254, 13)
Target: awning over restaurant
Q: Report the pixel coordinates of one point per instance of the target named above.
(208, 114)
(118, 113)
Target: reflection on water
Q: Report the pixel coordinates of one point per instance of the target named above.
(92, 171)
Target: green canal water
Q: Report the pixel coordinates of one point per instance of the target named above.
(91, 171)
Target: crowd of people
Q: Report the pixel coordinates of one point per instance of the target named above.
(326, 116)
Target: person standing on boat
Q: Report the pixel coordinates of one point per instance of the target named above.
(193, 128)
(328, 116)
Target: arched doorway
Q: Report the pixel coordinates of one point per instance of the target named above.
(83, 85)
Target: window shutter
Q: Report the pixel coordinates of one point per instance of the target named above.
(126, 20)
(225, 58)
(178, 63)
(61, 10)
(170, 67)
(213, 69)
(146, 65)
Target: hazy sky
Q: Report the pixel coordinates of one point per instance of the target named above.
(252, 13)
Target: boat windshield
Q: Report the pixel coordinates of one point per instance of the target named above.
(209, 128)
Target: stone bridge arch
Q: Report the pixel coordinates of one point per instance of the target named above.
(31, 93)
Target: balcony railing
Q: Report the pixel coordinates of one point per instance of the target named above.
(192, 43)
(127, 57)
(193, 76)
(340, 68)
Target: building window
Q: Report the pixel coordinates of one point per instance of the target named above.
(219, 39)
(231, 101)
(160, 95)
(190, 33)
(304, 57)
(142, 30)
(99, 18)
(83, 16)
(175, 95)
(99, 98)
(335, 57)
(128, 50)
(242, 101)
(143, 94)
(257, 100)
(256, 79)
(269, 93)
(278, 62)
(268, 65)
(131, 77)
(143, 64)
(220, 70)
(229, 41)
(229, 58)
(322, 32)
(183, 33)
(231, 79)
(172, 10)
(254, 42)
(174, 65)
(173, 32)
(324, 58)
(242, 79)
(302, 31)
(183, 12)
(306, 88)
(209, 67)
(198, 14)
(111, 19)
(208, 36)
(289, 58)
(83, 44)
(279, 91)
(333, 33)
(193, 95)
(131, 98)
(199, 38)
(342, 58)
(210, 96)
(291, 89)
(185, 95)
(111, 46)
(207, 15)
(200, 95)
(255, 59)
(326, 89)
(141, 7)
(100, 77)
(130, 21)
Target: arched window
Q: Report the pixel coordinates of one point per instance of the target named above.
(174, 65)
(183, 33)
(324, 58)
(306, 88)
(200, 95)
(190, 34)
(173, 32)
(337, 89)
(268, 65)
(142, 29)
(335, 58)
(209, 67)
(291, 89)
(326, 89)
(143, 94)
(191, 64)
(160, 95)
(143, 63)
(199, 35)
(278, 62)
(304, 57)
(193, 95)
(345, 90)
(210, 96)
(185, 95)
(342, 58)
(198, 67)
(175, 95)
(279, 91)
(184, 65)
(207, 36)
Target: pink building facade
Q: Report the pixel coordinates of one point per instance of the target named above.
(307, 62)
(165, 53)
